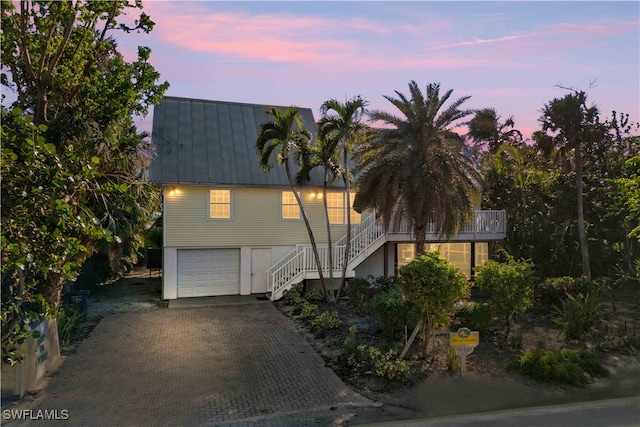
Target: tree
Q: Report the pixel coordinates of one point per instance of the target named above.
(417, 168)
(573, 123)
(485, 127)
(433, 285)
(509, 285)
(343, 121)
(79, 93)
(324, 153)
(630, 189)
(44, 230)
(527, 186)
(287, 137)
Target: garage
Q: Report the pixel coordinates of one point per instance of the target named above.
(208, 272)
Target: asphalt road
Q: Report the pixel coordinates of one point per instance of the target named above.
(623, 412)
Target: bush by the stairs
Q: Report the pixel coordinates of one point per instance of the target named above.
(315, 295)
(293, 296)
(324, 322)
(308, 310)
(360, 292)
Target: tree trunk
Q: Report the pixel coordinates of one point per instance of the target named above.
(582, 234)
(347, 247)
(329, 295)
(53, 290)
(314, 246)
(426, 336)
(420, 235)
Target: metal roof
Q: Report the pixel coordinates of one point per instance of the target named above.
(213, 142)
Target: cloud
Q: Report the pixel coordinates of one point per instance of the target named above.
(259, 37)
(309, 41)
(542, 37)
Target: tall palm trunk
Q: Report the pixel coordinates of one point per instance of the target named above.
(420, 235)
(314, 246)
(582, 234)
(347, 246)
(325, 184)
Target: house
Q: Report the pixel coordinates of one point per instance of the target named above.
(230, 228)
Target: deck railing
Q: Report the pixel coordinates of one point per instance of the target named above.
(294, 265)
(483, 222)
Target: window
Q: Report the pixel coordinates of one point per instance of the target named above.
(220, 204)
(336, 206)
(458, 254)
(482, 253)
(290, 208)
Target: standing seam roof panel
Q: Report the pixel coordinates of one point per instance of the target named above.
(199, 146)
(185, 135)
(213, 142)
(172, 142)
(240, 143)
(226, 141)
(212, 139)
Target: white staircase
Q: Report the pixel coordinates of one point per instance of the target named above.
(299, 264)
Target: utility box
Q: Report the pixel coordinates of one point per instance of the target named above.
(154, 258)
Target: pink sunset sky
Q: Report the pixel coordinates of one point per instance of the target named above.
(505, 55)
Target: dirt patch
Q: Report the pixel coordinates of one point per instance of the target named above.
(434, 390)
(140, 290)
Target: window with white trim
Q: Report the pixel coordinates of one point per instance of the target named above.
(337, 208)
(220, 204)
(290, 207)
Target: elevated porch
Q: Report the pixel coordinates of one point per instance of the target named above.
(366, 238)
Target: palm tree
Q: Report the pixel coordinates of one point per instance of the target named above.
(417, 167)
(572, 122)
(287, 136)
(343, 121)
(485, 127)
(324, 153)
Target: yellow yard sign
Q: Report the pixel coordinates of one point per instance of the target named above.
(464, 337)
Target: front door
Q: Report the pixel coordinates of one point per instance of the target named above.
(260, 263)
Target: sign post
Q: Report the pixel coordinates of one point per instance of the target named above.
(464, 342)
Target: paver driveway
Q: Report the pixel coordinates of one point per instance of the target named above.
(224, 365)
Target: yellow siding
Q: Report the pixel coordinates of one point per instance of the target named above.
(255, 219)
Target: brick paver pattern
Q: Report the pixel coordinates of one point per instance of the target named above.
(226, 365)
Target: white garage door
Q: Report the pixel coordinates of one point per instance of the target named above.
(208, 272)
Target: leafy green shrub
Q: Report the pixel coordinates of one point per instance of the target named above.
(393, 311)
(315, 295)
(388, 366)
(509, 285)
(293, 295)
(324, 322)
(308, 310)
(558, 366)
(627, 344)
(433, 285)
(453, 360)
(361, 359)
(360, 292)
(552, 290)
(577, 314)
(68, 323)
(384, 283)
(476, 317)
